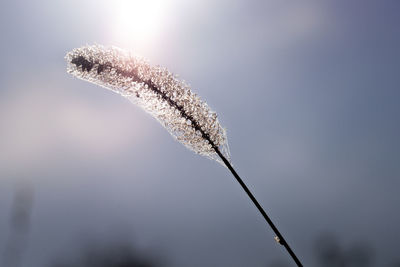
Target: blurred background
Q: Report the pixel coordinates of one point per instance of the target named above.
(309, 94)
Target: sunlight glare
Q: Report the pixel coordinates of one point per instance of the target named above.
(139, 19)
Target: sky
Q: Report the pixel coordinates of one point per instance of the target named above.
(307, 90)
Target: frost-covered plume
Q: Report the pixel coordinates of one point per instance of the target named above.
(157, 91)
(168, 99)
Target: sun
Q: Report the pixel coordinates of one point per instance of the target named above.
(139, 20)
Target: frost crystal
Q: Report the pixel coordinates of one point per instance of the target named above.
(157, 91)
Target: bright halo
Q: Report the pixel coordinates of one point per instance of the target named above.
(139, 19)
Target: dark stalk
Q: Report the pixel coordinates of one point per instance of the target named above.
(88, 65)
(280, 238)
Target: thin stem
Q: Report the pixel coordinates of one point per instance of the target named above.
(279, 237)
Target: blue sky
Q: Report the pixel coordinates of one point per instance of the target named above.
(308, 93)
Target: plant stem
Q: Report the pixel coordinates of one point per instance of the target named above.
(280, 239)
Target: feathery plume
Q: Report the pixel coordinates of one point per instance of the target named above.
(168, 99)
(157, 91)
